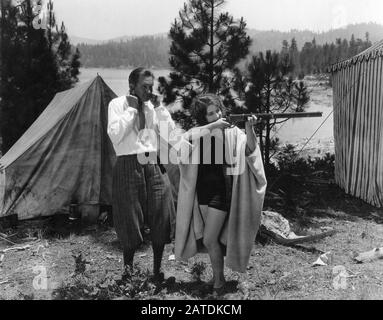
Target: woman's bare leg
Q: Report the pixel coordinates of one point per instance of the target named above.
(204, 210)
(215, 220)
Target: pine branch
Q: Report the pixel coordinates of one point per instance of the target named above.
(219, 3)
(282, 121)
(200, 56)
(217, 43)
(218, 60)
(191, 25)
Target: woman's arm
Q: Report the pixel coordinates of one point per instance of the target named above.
(198, 132)
(252, 142)
(184, 145)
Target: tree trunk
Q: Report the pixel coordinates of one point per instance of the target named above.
(29, 20)
(268, 129)
(50, 25)
(267, 146)
(2, 64)
(211, 69)
(2, 26)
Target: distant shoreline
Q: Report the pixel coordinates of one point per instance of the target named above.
(295, 131)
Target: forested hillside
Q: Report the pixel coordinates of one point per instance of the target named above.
(152, 51)
(147, 51)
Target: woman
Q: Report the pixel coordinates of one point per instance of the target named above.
(219, 201)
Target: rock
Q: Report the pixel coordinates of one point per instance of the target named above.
(277, 224)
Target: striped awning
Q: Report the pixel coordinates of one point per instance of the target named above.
(373, 52)
(358, 125)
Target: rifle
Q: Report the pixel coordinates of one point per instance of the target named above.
(233, 118)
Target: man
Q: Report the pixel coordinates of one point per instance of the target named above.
(141, 187)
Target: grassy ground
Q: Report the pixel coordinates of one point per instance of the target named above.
(86, 263)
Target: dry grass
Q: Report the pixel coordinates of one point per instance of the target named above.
(274, 271)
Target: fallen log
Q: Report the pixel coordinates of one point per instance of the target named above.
(281, 240)
(276, 227)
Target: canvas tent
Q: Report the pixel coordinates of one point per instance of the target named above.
(64, 158)
(358, 124)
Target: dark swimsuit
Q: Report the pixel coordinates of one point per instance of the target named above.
(211, 185)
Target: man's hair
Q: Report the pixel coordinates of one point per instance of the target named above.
(136, 73)
(199, 106)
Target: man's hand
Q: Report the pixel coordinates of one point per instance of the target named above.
(155, 100)
(133, 102)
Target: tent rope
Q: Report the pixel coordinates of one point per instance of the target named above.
(279, 129)
(320, 126)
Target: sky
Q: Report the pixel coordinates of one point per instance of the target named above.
(101, 20)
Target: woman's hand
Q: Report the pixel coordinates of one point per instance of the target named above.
(252, 142)
(219, 124)
(251, 122)
(198, 132)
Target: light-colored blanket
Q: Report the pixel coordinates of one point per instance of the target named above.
(248, 191)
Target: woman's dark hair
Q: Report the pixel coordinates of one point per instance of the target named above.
(134, 76)
(198, 108)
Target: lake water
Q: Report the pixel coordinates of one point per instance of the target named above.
(116, 79)
(295, 131)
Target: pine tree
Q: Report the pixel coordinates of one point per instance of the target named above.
(52, 33)
(285, 47)
(30, 77)
(30, 74)
(344, 49)
(75, 66)
(270, 89)
(9, 61)
(306, 59)
(301, 96)
(64, 56)
(286, 55)
(352, 49)
(294, 55)
(206, 42)
(367, 41)
(68, 59)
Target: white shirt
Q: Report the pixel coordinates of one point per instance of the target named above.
(124, 130)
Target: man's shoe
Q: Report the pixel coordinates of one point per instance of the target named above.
(160, 278)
